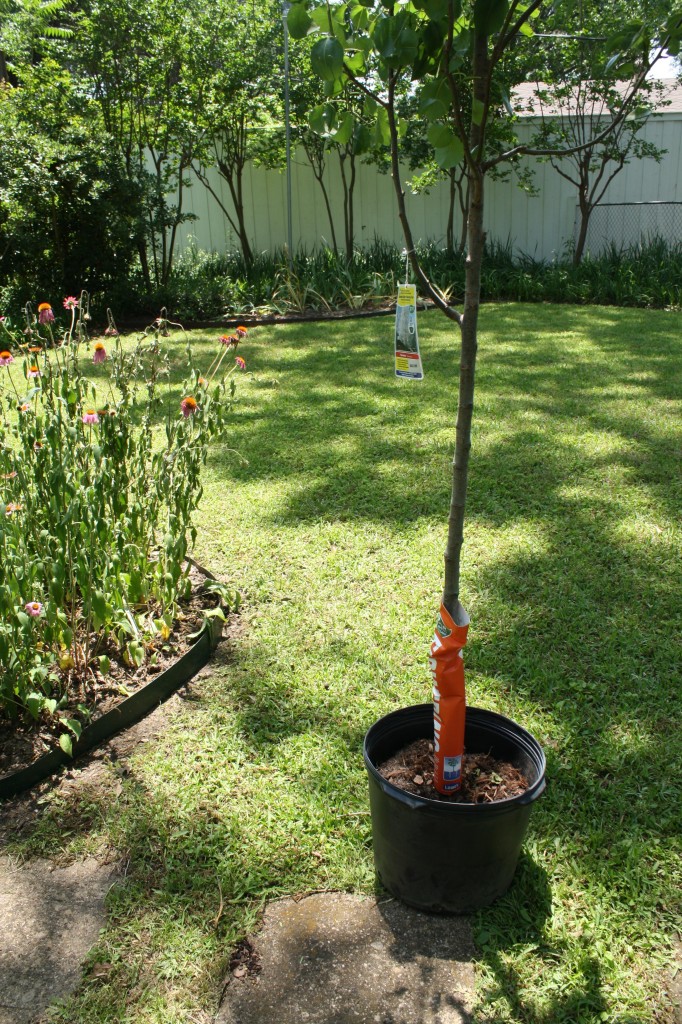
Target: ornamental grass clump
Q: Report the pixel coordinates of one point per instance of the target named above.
(100, 474)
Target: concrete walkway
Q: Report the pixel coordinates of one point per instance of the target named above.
(50, 918)
(333, 958)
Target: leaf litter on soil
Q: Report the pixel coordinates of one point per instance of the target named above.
(485, 779)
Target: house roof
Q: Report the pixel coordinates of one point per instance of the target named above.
(526, 103)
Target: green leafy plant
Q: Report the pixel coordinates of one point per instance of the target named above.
(96, 510)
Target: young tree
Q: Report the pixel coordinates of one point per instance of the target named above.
(574, 112)
(241, 109)
(457, 54)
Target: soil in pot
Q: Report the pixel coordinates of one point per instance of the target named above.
(485, 779)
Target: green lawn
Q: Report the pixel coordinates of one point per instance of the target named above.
(334, 532)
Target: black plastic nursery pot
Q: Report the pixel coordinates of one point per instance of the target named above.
(447, 857)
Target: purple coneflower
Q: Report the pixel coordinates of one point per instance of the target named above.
(13, 507)
(45, 314)
(6, 358)
(33, 608)
(33, 371)
(100, 353)
(90, 416)
(188, 406)
(240, 363)
(241, 331)
(70, 302)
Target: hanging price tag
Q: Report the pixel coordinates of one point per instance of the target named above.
(407, 359)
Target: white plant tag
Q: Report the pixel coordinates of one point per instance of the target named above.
(407, 359)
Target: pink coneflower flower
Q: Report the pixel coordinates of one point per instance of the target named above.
(240, 363)
(9, 476)
(70, 302)
(33, 371)
(111, 332)
(242, 332)
(227, 339)
(90, 416)
(13, 507)
(37, 445)
(202, 382)
(24, 407)
(2, 319)
(189, 406)
(6, 358)
(100, 353)
(45, 314)
(33, 608)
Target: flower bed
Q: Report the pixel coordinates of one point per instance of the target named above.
(95, 509)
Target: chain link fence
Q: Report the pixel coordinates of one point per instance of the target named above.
(627, 224)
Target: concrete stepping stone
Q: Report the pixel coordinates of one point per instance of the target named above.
(51, 917)
(334, 958)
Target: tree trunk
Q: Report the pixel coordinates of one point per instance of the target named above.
(469, 346)
(450, 230)
(585, 211)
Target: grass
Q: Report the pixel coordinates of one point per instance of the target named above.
(334, 532)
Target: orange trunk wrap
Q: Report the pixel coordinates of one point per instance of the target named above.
(449, 703)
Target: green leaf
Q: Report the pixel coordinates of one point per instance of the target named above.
(65, 744)
(73, 725)
(298, 21)
(434, 99)
(34, 702)
(323, 119)
(326, 59)
(477, 111)
(382, 131)
(104, 664)
(344, 132)
(489, 15)
(448, 148)
(395, 40)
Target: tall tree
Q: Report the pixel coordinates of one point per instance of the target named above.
(143, 60)
(240, 115)
(576, 95)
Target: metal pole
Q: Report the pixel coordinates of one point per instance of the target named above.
(287, 125)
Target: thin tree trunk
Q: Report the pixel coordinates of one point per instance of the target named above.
(450, 230)
(468, 349)
(585, 211)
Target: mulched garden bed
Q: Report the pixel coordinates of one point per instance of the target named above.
(485, 779)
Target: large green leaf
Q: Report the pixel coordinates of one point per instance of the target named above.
(326, 59)
(489, 15)
(298, 21)
(322, 119)
(448, 148)
(395, 40)
(344, 131)
(434, 99)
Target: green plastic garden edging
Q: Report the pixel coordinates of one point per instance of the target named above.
(128, 711)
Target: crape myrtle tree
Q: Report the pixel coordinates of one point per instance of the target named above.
(576, 94)
(240, 115)
(458, 56)
(329, 135)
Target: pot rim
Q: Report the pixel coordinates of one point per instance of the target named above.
(499, 725)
